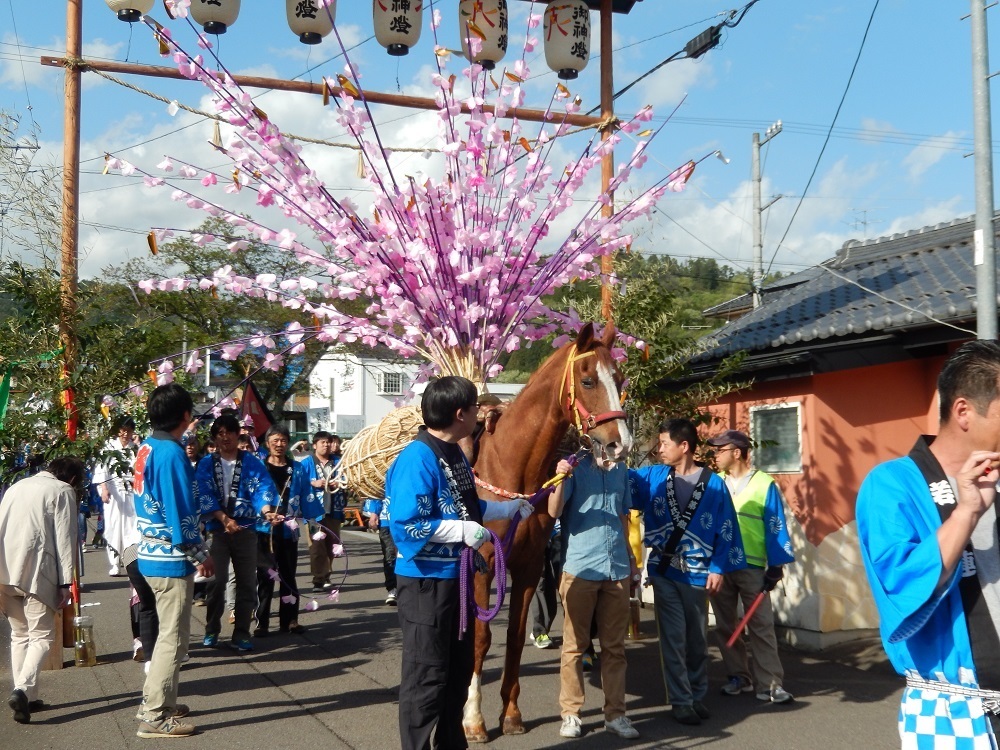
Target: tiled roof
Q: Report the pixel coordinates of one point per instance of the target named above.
(929, 270)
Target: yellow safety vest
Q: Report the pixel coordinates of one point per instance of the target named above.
(749, 504)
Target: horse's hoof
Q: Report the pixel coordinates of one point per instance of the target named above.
(513, 726)
(476, 734)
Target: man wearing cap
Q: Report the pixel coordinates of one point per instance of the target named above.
(761, 518)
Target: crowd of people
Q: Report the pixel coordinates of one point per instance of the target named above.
(718, 536)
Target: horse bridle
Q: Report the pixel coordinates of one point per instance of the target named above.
(583, 419)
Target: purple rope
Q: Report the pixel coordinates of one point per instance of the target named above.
(466, 585)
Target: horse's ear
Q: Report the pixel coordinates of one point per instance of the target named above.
(608, 339)
(585, 338)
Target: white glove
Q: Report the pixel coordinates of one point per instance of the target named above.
(474, 535)
(505, 510)
(469, 533)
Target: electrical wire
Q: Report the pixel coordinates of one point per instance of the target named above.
(822, 150)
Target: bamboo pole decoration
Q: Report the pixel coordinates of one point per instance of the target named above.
(71, 187)
(75, 62)
(608, 160)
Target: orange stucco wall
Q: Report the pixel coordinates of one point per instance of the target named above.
(851, 421)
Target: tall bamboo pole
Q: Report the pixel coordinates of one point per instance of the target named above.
(71, 186)
(608, 161)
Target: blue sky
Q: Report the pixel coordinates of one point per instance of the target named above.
(896, 161)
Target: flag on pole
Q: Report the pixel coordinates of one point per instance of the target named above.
(253, 406)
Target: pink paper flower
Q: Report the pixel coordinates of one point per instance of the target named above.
(337, 550)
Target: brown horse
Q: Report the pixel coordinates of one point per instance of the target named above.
(579, 384)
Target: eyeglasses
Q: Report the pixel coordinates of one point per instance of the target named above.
(723, 450)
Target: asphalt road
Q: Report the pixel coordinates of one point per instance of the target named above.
(336, 686)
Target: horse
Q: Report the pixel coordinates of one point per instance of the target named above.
(577, 385)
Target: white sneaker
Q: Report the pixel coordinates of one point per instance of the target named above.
(390, 598)
(571, 726)
(775, 695)
(622, 726)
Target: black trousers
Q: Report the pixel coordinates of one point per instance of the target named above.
(388, 557)
(545, 602)
(437, 666)
(148, 621)
(274, 551)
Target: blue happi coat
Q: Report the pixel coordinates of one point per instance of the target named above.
(163, 488)
(417, 491)
(710, 544)
(300, 502)
(338, 499)
(923, 625)
(256, 491)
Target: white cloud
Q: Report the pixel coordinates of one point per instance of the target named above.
(929, 152)
(668, 85)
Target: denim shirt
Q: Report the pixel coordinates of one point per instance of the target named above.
(594, 546)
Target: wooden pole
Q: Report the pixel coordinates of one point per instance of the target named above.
(71, 186)
(305, 87)
(608, 161)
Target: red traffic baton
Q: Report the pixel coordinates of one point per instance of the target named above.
(746, 618)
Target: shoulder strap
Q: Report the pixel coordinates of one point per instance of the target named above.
(681, 524)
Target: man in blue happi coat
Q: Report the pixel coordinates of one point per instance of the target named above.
(234, 491)
(928, 532)
(434, 514)
(694, 540)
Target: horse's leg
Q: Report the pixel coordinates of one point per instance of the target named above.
(524, 579)
(472, 721)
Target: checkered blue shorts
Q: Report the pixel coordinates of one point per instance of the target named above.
(931, 720)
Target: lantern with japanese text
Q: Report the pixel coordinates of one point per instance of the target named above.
(311, 19)
(397, 24)
(130, 10)
(215, 16)
(483, 22)
(567, 37)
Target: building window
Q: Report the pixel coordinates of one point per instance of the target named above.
(389, 383)
(777, 436)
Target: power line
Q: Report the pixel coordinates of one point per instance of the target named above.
(836, 114)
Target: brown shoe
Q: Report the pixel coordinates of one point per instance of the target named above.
(168, 727)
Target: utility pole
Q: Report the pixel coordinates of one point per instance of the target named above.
(608, 160)
(757, 275)
(983, 238)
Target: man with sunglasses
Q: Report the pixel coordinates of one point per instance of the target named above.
(761, 517)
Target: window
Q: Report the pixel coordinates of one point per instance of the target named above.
(777, 436)
(389, 383)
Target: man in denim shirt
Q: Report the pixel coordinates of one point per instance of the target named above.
(593, 503)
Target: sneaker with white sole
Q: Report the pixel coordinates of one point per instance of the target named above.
(571, 726)
(737, 685)
(542, 640)
(622, 726)
(168, 727)
(390, 598)
(775, 695)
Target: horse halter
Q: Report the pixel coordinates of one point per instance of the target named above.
(583, 419)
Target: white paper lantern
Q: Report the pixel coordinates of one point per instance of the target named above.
(310, 21)
(397, 24)
(130, 10)
(486, 21)
(567, 37)
(215, 16)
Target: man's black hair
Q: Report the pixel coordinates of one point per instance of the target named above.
(68, 469)
(322, 435)
(124, 423)
(167, 406)
(681, 431)
(445, 396)
(972, 372)
(227, 422)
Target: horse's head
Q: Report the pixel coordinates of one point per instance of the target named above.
(591, 393)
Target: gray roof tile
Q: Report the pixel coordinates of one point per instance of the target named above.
(929, 270)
